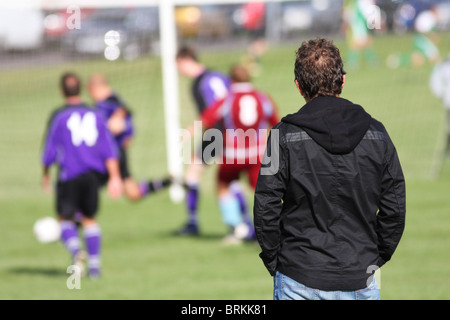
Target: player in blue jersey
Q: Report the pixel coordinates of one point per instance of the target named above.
(120, 123)
(79, 143)
(208, 86)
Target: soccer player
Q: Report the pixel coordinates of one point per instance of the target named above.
(120, 123)
(79, 143)
(246, 114)
(208, 86)
(358, 34)
(440, 86)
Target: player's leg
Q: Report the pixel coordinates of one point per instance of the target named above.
(148, 187)
(238, 191)
(133, 190)
(252, 173)
(66, 203)
(66, 206)
(229, 204)
(91, 228)
(192, 183)
(93, 238)
(136, 191)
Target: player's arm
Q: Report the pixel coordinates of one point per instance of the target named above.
(209, 117)
(212, 115)
(114, 186)
(46, 181)
(49, 153)
(109, 152)
(117, 122)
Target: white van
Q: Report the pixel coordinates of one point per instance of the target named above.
(21, 28)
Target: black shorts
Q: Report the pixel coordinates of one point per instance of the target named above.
(123, 164)
(79, 194)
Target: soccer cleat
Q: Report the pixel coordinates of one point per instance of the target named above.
(189, 229)
(94, 266)
(94, 273)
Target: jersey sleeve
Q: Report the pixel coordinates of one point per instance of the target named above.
(210, 116)
(50, 149)
(214, 87)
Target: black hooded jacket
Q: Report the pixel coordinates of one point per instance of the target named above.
(330, 199)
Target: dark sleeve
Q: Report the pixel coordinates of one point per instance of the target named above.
(270, 190)
(392, 207)
(197, 94)
(48, 125)
(50, 145)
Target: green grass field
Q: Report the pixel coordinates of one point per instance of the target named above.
(141, 259)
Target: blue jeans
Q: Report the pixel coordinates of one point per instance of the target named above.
(286, 288)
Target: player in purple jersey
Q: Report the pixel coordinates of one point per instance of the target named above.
(208, 86)
(79, 143)
(120, 123)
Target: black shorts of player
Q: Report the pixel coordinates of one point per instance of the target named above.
(79, 194)
(123, 164)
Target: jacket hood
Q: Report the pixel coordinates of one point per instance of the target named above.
(336, 124)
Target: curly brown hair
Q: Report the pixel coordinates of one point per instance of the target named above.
(319, 69)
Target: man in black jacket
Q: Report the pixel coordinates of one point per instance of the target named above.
(330, 199)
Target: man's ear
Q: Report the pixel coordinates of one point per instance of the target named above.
(343, 81)
(298, 87)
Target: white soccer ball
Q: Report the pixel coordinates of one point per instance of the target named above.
(177, 193)
(47, 230)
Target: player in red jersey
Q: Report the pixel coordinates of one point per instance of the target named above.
(247, 114)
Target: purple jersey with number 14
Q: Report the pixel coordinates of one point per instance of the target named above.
(78, 141)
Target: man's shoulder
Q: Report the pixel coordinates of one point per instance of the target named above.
(376, 125)
(287, 132)
(213, 75)
(286, 127)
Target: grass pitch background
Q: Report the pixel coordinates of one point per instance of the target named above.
(141, 260)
